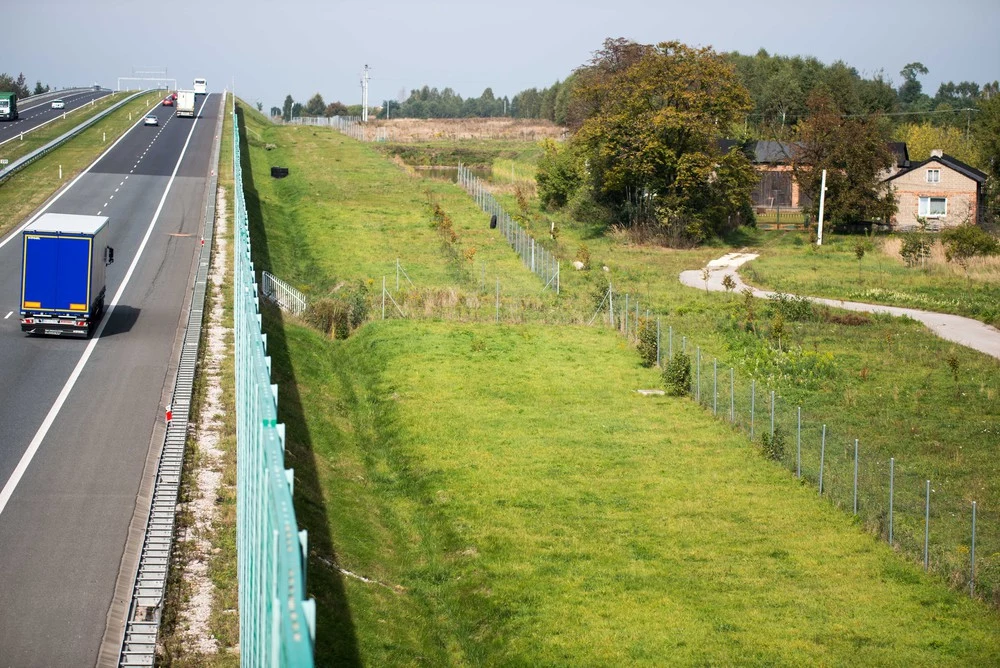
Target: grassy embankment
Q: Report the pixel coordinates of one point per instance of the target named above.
(28, 189)
(511, 500)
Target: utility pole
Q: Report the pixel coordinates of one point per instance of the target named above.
(822, 201)
(364, 95)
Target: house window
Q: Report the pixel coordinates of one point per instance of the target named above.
(933, 207)
(933, 176)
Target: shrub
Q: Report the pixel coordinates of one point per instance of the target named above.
(320, 314)
(792, 308)
(773, 447)
(358, 305)
(647, 342)
(677, 375)
(558, 176)
(915, 249)
(583, 255)
(965, 242)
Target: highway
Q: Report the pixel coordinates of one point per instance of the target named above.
(37, 112)
(70, 478)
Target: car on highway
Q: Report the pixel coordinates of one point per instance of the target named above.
(58, 104)
(151, 120)
(168, 101)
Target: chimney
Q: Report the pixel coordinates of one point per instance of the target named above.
(936, 153)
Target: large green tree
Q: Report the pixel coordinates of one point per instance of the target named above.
(286, 109)
(315, 106)
(652, 120)
(854, 152)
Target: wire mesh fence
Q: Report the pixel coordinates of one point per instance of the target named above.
(277, 623)
(535, 257)
(929, 520)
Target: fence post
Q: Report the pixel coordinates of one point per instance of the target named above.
(855, 476)
(684, 344)
(625, 315)
(670, 342)
(611, 304)
(927, 527)
(397, 274)
(715, 386)
(822, 458)
(658, 341)
(732, 395)
(798, 442)
(383, 297)
(498, 299)
(772, 414)
(698, 375)
(972, 555)
(892, 480)
(753, 402)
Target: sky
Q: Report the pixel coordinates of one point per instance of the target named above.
(301, 47)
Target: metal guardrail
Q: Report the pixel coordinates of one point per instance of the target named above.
(26, 160)
(145, 611)
(282, 294)
(277, 623)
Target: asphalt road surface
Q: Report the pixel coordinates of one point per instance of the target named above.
(36, 112)
(69, 482)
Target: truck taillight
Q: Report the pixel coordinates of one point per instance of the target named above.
(81, 323)
(29, 321)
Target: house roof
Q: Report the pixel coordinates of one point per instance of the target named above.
(947, 161)
(771, 152)
(900, 153)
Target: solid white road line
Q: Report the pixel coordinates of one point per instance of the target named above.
(8, 315)
(43, 430)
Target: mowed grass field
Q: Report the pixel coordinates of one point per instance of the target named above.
(508, 498)
(511, 500)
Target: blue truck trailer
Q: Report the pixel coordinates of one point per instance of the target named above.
(64, 257)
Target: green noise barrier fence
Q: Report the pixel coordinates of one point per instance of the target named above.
(277, 623)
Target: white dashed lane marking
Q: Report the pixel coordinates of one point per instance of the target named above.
(136, 165)
(8, 315)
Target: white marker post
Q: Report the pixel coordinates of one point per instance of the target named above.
(822, 199)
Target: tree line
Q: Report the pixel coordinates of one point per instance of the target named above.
(19, 85)
(662, 138)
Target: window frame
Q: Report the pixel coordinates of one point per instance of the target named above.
(937, 176)
(929, 200)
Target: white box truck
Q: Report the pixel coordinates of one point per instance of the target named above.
(185, 103)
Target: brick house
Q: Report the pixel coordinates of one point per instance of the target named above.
(942, 190)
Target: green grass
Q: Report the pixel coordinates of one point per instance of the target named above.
(788, 263)
(28, 189)
(536, 564)
(519, 504)
(369, 212)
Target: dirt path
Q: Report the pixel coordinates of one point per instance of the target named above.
(965, 331)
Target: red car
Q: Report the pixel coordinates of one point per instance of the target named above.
(168, 101)
(173, 96)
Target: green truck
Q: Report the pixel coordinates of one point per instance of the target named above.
(8, 106)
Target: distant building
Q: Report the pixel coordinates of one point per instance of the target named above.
(942, 191)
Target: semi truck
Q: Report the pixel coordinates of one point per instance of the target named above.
(63, 258)
(185, 103)
(8, 106)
